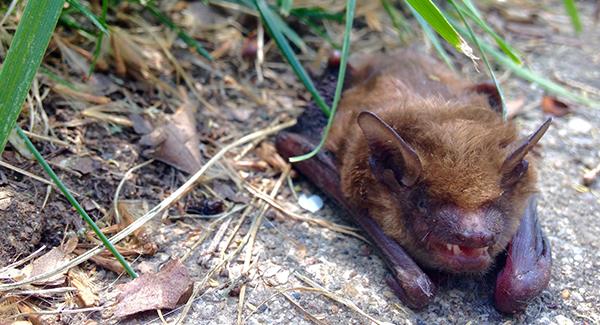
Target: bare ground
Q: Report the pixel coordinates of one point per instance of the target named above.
(287, 249)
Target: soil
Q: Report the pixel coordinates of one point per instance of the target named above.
(286, 249)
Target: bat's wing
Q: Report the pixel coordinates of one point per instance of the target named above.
(527, 269)
(408, 281)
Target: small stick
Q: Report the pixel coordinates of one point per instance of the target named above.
(157, 210)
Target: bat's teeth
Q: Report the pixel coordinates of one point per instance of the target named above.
(456, 249)
(449, 247)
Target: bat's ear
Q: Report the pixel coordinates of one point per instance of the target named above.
(389, 153)
(515, 165)
(491, 92)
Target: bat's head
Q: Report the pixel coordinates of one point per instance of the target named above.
(459, 186)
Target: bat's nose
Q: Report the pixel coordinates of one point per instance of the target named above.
(475, 239)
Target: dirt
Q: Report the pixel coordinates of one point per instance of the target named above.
(287, 249)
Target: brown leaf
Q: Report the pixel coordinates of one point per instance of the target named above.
(555, 107)
(268, 153)
(176, 142)
(52, 260)
(86, 289)
(164, 289)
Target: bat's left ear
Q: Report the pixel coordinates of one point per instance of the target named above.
(491, 92)
(389, 152)
(515, 165)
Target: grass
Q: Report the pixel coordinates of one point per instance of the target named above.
(40, 18)
(18, 70)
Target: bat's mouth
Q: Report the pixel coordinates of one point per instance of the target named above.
(458, 258)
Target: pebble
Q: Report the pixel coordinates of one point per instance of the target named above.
(311, 203)
(565, 294)
(562, 320)
(282, 277)
(579, 125)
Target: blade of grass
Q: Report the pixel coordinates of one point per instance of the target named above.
(274, 28)
(484, 56)
(398, 21)
(285, 6)
(531, 76)
(24, 56)
(350, 7)
(99, 39)
(100, 24)
(471, 12)
(75, 204)
(433, 38)
(436, 19)
(185, 37)
(289, 33)
(68, 21)
(573, 14)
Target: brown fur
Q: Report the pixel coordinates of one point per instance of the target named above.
(460, 140)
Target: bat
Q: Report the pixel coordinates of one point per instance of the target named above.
(424, 163)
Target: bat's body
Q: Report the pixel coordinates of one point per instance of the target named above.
(429, 169)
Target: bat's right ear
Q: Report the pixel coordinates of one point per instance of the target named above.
(389, 152)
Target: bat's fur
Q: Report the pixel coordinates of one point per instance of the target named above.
(459, 138)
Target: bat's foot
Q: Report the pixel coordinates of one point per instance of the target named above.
(527, 270)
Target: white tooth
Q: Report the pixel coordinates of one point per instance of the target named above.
(456, 249)
(449, 247)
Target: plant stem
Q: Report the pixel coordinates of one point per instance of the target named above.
(75, 204)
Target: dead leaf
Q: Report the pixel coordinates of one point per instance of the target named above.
(553, 106)
(51, 261)
(268, 153)
(164, 289)
(176, 142)
(86, 289)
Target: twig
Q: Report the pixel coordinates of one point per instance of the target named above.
(344, 301)
(121, 183)
(320, 222)
(28, 174)
(253, 231)
(24, 260)
(158, 209)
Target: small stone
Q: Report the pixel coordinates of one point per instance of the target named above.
(562, 320)
(311, 203)
(282, 277)
(579, 125)
(565, 294)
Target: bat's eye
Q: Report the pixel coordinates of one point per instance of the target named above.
(422, 205)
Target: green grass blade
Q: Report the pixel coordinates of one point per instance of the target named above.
(483, 55)
(23, 59)
(68, 21)
(436, 19)
(317, 13)
(76, 204)
(573, 14)
(285, 6)
(272, 26)
(289, 33)
(430, 34)
(99, 39)
(398, 21)
(187, 39)
(90, 15)
(350, 7)
(502, 44)
(531, 76)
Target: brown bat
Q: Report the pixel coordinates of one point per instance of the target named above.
(424, 162)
